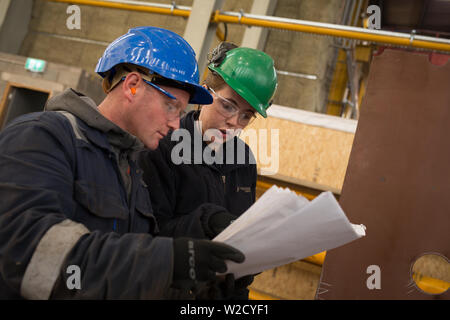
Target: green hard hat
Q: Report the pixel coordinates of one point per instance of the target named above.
(251, 73)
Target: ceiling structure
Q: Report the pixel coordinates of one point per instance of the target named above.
(427, 17)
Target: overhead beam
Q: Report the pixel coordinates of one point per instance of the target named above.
(255, 37)
(200, 31)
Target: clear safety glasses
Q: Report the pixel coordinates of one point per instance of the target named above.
(172, 110)
(229, 109)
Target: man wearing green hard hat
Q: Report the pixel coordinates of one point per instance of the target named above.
(198, 198)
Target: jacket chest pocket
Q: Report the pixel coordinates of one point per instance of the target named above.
(243, 194)
(145, 221)
(239, 198)
(243, 189)
(104, 204)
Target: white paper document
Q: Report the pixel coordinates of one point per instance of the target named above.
(283, 227)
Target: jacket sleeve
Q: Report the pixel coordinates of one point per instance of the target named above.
(38, 241)
(161, 178)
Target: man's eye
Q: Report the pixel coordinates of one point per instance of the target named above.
(172, 108)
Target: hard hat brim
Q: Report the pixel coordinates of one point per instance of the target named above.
(201, 96)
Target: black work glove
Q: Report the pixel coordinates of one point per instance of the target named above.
(226, 288)
(197, 261)
(218, 222)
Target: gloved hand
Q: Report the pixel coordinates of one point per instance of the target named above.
(226, 288)
(198, 261)
(218, 222)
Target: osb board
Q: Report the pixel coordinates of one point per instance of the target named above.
(294, 281)
(312, 156)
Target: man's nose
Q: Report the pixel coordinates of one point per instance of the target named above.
(174, 124)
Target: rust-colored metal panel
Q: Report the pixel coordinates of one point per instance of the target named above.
(397, 182)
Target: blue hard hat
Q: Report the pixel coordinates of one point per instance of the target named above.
(160, 51)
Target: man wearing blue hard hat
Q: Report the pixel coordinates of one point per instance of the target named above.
(75, 217)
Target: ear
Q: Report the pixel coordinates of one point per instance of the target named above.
(130, 86)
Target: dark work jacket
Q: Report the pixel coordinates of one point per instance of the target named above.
(61, 187)
(185, 195)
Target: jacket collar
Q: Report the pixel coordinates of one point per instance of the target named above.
(85, 109)
(188, 123)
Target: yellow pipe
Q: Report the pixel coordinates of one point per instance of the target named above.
(329, 31)
(220, 35)
(338, 85)
(323, 30)
(131, 7)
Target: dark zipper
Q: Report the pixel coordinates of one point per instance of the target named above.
(224, 180)
(134, 176)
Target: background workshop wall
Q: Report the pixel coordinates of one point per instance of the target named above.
(49, 39)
